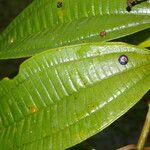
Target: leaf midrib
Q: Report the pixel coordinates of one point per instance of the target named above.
(44, 29)
(71, 61)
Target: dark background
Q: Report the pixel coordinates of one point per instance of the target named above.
(124, 131)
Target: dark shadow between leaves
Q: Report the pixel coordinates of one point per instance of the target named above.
(136, 38)
(10, 68)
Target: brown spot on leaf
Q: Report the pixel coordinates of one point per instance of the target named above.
(33, 109)
(103, 33)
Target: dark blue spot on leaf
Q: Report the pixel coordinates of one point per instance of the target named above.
(123, 59)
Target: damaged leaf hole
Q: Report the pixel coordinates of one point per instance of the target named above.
(59, 4)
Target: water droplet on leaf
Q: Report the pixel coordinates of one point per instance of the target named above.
(11, 40)
(123, 59)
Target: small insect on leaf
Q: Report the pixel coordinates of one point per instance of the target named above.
(131, 3)
(123, 59)
(59, 4)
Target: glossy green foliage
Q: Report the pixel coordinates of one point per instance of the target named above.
(145, 43)
(63, 96)
(47, 24)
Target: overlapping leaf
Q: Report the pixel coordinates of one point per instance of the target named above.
(145, 43)
(63, 96)
(52, 23)
(141, 38)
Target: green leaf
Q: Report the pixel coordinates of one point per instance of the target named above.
(43, 26)
(63, 96)
(145, 43)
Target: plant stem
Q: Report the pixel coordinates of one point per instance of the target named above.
(145, 131)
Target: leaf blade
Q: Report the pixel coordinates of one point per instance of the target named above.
(68, 93)
(145, 43)
(76, 22)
